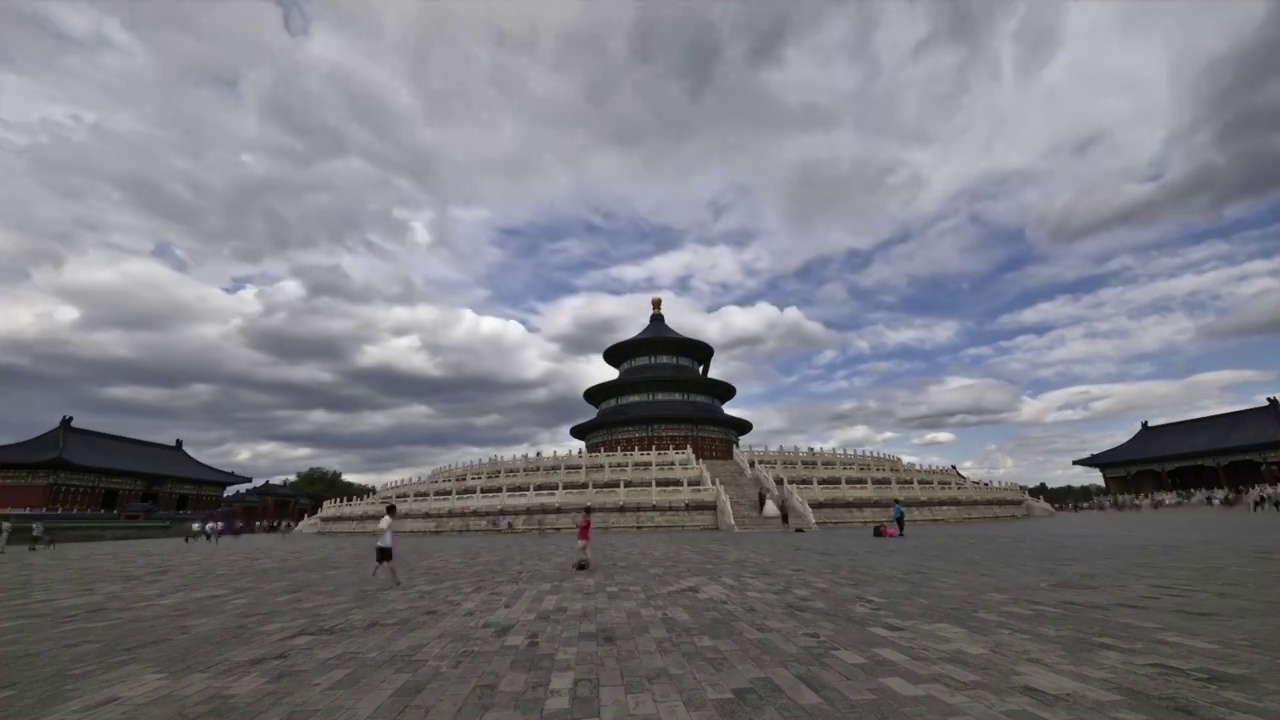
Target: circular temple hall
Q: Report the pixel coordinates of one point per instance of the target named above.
(662, 398)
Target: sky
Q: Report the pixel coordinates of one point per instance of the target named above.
(379, 237)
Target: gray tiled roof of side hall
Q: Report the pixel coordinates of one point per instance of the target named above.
(1251, 428)
(94, 450)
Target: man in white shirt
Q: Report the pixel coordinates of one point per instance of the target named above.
(37, 535)
(5, 528)
(196, 528)
(383, 553)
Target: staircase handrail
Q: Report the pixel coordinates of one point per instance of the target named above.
(759, 473)
(765, 479)
(724, 510)
(705, 474)
(799, 506)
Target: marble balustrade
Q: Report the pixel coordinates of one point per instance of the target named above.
(554, 468)
(864, 466)
(811, 487)
(513, 499)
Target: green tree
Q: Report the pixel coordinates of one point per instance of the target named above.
(321, 484)
(1067, 494)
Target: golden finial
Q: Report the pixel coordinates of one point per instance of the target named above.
(657, 305)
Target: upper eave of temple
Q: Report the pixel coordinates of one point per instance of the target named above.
(1250, 429)
(658, 338)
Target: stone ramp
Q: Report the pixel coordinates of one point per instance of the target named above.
(744, 495)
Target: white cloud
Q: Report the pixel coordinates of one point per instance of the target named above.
(934, 438)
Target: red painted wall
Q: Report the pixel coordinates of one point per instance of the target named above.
(703, 448)
(24, 496)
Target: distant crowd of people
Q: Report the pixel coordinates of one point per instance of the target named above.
(1257, 498)
(214, 529)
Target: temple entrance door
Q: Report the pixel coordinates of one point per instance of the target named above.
(1193, 477)
(180, 505)
(1244, 473)
(1143, 482)
(110, 498)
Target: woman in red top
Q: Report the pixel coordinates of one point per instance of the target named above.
(584, 536)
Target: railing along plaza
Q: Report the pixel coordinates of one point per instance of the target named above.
(646, 492)
(544, 468)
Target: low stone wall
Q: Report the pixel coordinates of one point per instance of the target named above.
(700, 515)
(828, 512)
(70, 531)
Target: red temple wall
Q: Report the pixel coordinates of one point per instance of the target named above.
(24, 496)
(703, 448)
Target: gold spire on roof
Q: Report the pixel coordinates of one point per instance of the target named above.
(657, 305)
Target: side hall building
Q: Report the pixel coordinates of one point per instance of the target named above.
(267, 503)
(76, 468)
(1229, 450)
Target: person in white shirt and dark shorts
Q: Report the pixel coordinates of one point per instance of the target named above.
(384, 552)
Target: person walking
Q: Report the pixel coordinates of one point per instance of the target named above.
(6, 528)
(584, 539)
(384, 550)
(37, 534)
(900, 517)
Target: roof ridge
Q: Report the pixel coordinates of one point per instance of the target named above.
(125, 438)
(193, 459)
(1254, 408)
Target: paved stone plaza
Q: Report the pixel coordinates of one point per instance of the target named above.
(1160, 614)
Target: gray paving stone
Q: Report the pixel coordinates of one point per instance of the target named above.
(1150, 615)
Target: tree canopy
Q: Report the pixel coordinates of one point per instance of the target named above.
(320, 484)
(1066, 494)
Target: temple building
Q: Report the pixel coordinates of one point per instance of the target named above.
(76, 468)
(663, 397)
(267, 503)
(1229, 450)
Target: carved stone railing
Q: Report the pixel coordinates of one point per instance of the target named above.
(552, 468)
(724, 510)
(705, 475)
(760, 474)
(510, 500)
(798, 508)
(569, 459)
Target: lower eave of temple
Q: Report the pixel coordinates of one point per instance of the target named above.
(725, 421)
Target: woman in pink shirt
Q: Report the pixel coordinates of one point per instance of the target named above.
(584, 538)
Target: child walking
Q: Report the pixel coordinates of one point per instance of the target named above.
(386, 541)
(584, 539)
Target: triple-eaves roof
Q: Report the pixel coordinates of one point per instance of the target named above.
(1251, 429)
(90, 450)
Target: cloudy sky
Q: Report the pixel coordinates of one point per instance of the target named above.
(383, 236)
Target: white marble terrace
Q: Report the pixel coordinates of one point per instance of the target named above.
(836, 473)
(574, 480)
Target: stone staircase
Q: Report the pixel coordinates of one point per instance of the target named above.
(744, 495)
